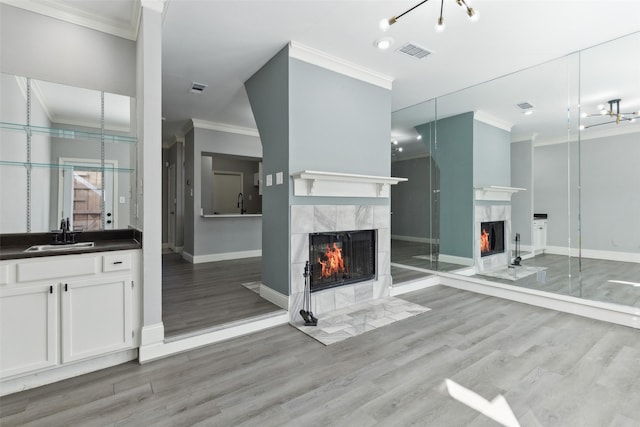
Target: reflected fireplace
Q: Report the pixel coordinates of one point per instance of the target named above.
(491, 238)
(341, 258)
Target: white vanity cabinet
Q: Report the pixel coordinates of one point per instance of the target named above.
(56, 310)
(28, 328)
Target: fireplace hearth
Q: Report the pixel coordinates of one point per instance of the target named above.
(341, 258)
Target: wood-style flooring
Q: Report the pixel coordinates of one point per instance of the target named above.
(200, 296)
(554, 369)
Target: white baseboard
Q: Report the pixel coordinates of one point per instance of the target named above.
(594, 253)
(414, 239)
(198, 259)
(63, 372)
(164, 349)
(275, 297)
(414, 285)
(456, 259)
(152, 334)
(613, 313)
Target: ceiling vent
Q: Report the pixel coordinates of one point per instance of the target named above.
(197, 87)
(414, 51)
(525, 106)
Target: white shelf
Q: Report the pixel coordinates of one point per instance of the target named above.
(332, 184)
(496, 193)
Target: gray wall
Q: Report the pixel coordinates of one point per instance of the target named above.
(410, 201)
(454, 157)
(44, 48)
(610, 172)
(268, 92)
(551, 183)
(610, 206)
(522, 202)
(311, 118)
(208, 236)
(491, 155)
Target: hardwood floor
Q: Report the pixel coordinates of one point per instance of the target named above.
(554, 369)
(201, 296)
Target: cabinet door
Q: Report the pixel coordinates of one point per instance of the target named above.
(28, 328)
(96, 317)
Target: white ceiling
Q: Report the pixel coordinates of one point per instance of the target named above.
(223, 42)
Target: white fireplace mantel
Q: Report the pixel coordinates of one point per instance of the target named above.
(332, 184)
(496, 193)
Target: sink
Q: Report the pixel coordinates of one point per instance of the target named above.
(61, 247)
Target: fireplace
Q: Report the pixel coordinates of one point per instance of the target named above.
(491, 238)
(341, 258)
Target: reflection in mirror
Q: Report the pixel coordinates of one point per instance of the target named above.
(62, 158)
(517, 151)
(230, 185)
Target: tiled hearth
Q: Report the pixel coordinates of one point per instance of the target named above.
(307, 219)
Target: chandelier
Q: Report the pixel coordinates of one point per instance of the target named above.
(613, 113)
(471, 12)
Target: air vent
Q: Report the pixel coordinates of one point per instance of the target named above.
(414, 51)
(525, 106)
(198, 87)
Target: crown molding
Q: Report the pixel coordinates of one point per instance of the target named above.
(66, 13)
(221, 127)
(338, 65)
(492, 121)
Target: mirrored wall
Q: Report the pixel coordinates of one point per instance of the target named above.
(530, 179)
(66, 152)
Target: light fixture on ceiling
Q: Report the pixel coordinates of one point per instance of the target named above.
(613, 112)
(384, 43)
(471, 12)
(419, 137)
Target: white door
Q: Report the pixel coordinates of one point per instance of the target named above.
(28, 328)
(80, 194)
(96, 317)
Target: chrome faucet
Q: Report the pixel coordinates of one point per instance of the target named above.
(241, 203)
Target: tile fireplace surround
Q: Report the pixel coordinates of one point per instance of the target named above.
(307, 219)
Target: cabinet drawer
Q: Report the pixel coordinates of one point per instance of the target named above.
(116, 262)
(48, 270)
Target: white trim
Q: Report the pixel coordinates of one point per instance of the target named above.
(63, 372)
(198, 259)
(483, 117)
(414, 285)
(274, 296)
(187, 257)
(456, 259)
(414, 239)
(151, 334)
(496, 193)
(333, 184)
(222, 127)
(613, 313)
(338, 65)
(155, 5)
(64, 12)
(588, 134)
(159, 350)
(594, 253)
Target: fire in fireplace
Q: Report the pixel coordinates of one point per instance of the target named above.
(491, 238)
(340, 258)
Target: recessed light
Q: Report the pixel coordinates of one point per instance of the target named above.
(383, 43)
(419, 137)
(528, 112)
(394, 142)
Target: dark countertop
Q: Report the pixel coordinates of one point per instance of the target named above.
(13, 246)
